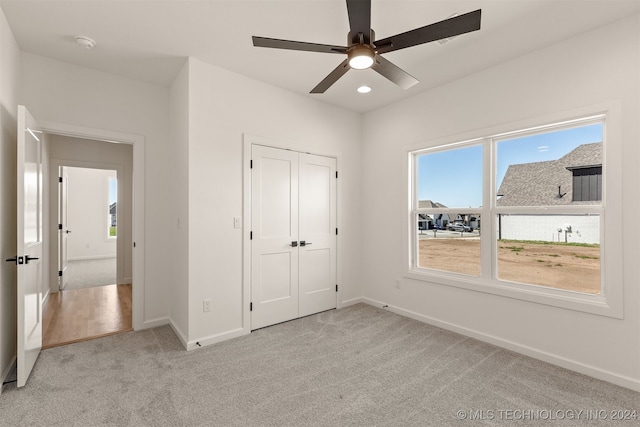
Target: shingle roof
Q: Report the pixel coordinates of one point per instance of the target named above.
(536, 184)
(428, 204)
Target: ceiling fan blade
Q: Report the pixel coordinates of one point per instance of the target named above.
(359, 20)
(440, 30)
(394, 73)
(333, 77)
(294, 45)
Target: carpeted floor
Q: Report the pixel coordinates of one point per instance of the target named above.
(90, 273)
(358, 366)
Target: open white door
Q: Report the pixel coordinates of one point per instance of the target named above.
(29, 254)
(63, 227)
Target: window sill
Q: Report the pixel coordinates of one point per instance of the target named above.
(577, 301)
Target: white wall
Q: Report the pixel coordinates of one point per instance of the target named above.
(88, 205)
(596, 67)
(59, 92)
(9, 83)
(584, 229)
(179, 229)
(222, 107)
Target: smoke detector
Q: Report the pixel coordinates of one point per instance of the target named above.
(86, 42)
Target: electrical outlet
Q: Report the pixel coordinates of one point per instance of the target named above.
(206, 305)
(236, 222)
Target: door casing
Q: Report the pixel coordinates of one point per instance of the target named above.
(138, 208)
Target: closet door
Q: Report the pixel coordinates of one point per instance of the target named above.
(317, 231)
(274, 226)
(293, 227)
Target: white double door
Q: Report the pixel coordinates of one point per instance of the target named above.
(293, 226)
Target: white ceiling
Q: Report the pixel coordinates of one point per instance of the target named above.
(150, 39)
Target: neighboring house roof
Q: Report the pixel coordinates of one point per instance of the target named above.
(428, 204)
(113, 208)
(536, 184)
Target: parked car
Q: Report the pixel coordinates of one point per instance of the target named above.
(459, 227)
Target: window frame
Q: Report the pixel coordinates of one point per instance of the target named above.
(610, 300)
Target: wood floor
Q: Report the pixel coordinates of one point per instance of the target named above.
(80, 314)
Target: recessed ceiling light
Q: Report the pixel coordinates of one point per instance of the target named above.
(86, 42)
(364, 89)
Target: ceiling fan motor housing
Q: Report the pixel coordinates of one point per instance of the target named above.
(354, 38)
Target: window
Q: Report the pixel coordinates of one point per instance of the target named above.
(518, 213)
(112, 222)
(449, 191)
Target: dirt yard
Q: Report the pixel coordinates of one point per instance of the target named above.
(575, 268)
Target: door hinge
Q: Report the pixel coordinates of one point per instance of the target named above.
(336, 174)
(336, 231)
(250, 164)
(59, 226)
(134, 244)
(60, 179)
(250, 306)
(336, 288)
(251, 235)
(59, 273)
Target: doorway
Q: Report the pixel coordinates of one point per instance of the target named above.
(91, 239)
(87, 227)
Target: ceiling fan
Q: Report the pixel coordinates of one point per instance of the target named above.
(364, 51)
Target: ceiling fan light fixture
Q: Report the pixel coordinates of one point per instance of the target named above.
(360, 57)
(364, 89)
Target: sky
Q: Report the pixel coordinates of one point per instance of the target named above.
(454, 177)
(113, 190)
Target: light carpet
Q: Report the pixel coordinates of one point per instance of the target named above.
(91, 272)
(357, 366)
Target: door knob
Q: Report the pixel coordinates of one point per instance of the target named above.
(303, 243)
(18, 260)
(27, 258)
(294, 244)
(67, 231)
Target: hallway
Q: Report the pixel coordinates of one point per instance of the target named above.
(81, 314)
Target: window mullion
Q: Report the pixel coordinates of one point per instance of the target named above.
(487, 242)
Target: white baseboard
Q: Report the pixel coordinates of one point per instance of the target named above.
(216, 338)
(352, 301)
(6, 372)
(90, 257)
(181, 336)
(125, 281)
(154, 323)
(554, 359)
(46, 297)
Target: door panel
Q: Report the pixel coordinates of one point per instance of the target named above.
(317, 228)
(276, 277)
(274, 225)
(29, 248)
